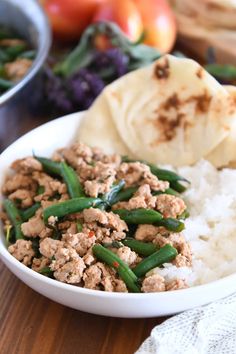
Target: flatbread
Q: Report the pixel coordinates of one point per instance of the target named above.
(225, 153)
(170, 112)
(97, 129)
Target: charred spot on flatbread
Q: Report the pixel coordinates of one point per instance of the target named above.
(162, 70)
(202, 101)
(167, 127)
(200, 72)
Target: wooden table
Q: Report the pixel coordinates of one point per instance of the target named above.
(32, 324)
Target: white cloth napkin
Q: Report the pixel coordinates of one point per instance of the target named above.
(209, 329)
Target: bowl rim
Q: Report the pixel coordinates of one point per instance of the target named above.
(42, 52)
(6, 257)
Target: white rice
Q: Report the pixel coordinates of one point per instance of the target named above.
(211, 227)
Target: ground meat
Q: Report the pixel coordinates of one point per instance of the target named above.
(182, 261)
(77, 154)
(27, 165)
(146, 232)
(46, 203)
(184, 258)
(137, 173)
(110, 220)
(103, 234)
(153, 283)
(103, 177)
(92, 277)
(34, 226)
(81, 242)
(8, 42)
(144, 197)
(40, 263)
(4, 217)
(170, 206)
(161, 241)
(18, 181)
(67, 226)
(49, 246)
(177, 240)
(89, 258)
(141, 199)
(100, 232)
(114, 160)
(71, 259)
(71, 272)
(176, 284)
(23, 196)
(108, 283)
(63, 254)
(17, 69)
(22, 250)
(46, 232)
(51, 186)
(127, 255)
(120, 286)
(99, 276)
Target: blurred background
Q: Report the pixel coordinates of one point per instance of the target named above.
(56, 56)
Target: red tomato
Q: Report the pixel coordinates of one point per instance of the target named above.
(159, 23)
(69, 18)
(124, 13)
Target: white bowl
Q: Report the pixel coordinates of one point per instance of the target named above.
(43, 141)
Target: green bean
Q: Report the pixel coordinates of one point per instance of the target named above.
(165, 254)
(110, 197)
(72, 181)
(14, 51)
(222, 71)
(29, 54)
(4, 57)
(49, 166)
(142, 248)
(14, 216)
(35, 246)
(139, 216)
(167, 191)
(121, 267)
(184, 215)
(166, 175)
(79, 226)
(102, 206)
(5, 84)
(125, 194)
(69, 207)
(2, 71)
(46, 271)
(40, 190)
(5, 34)
(8, 233)
(30, 212)
(178, 187)
(171, 224)
(113, 244)
(162, 174)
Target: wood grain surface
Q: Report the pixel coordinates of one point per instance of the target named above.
(32, 324)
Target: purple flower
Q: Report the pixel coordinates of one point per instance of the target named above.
(56, 94)
(112, 58)
(83, 87)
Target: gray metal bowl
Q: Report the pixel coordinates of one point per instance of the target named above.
(26, 18)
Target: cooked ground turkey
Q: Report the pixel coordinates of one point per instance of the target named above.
(69, 256)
